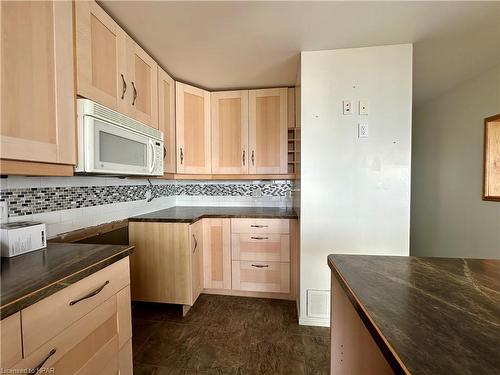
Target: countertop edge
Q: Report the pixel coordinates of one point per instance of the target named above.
(208, 216)
(387, 350)
(33, 297)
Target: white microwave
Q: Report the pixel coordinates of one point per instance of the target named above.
(113, 144)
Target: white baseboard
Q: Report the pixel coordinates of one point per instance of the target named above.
(318, 322)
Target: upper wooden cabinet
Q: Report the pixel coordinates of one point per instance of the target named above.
(166, 118)
(100, 57)
(192, 129)
(143, 94)
(37, 89)
(230, 132)
(111, 68)
(268, 131)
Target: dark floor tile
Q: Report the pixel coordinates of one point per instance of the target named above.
(168, 345)
(141, 369)
(141, 332)
(310, 330)
(317, 353)
(228, 335)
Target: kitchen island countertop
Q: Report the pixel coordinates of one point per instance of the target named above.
(427, 315)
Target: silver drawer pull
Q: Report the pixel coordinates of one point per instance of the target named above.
(91, 294)
(37, 368)
(259, 238)
(258, 226)
(260, 265)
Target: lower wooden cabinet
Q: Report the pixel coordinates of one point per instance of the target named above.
(165, 256)
(11, 350)
(175, 262)
(92, 338)
(217, 253)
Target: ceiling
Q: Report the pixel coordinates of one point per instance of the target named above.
(235, 44)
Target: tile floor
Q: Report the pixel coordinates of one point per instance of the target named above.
(227, 335)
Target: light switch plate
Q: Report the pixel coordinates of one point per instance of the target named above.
(363, 107)
(362, 130)
(347, 107)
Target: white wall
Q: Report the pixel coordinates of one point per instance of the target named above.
(355, 192)
(449, 218)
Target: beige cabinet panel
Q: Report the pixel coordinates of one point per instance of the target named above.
(260, 226)
(257, 276)
(197, 248)
(230, 132)
(268, 131)
(161, 262)
(11, 350)
(166, 118)
(217, 253)
(88, 344)
(101, 62)
(37, 86)
(143, 94)
(193, 129)
(41, 324)
(262, 247)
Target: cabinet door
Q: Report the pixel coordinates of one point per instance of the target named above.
(161, 263)
(268, 131)
(217, 253)
(37, 89)
(230, 132)
(166, 118)
(11, 350)
(143, 93)
(196, 232)
(192, 112)
(101, 57)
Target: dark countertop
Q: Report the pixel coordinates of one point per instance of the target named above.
(188, 214)
(438, 315)
(28, 278)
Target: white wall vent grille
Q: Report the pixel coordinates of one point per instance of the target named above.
(318, 303)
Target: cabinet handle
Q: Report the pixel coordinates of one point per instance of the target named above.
(91, 294)
(258, 226)
(243, 157)
(182, 156)
(135, 93)
(260, 265)
(37, 368)
(253, 157)
(259, 238)
(164, 152)
(195, 243)
(124, 86)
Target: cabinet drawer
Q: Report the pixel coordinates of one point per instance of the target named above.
(10, 340)
(261, 247)
(258, 226)
(50, 316)
(86, 345)
(261, 276)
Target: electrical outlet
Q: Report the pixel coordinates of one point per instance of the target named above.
(363, 107)
(347, 107)
(3, 212)
(362, 130)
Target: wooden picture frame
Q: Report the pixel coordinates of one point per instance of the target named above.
(491, 187)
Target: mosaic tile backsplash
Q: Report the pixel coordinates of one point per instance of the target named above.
(27, 201)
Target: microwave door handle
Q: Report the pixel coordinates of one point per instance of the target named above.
(153, 157)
